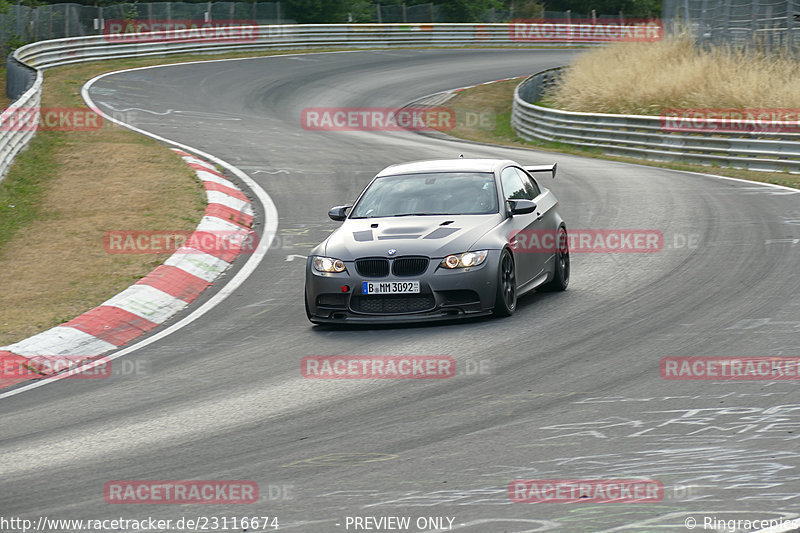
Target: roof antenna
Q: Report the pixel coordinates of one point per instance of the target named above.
(461, 156)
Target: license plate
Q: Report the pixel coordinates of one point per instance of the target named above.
(390, 287)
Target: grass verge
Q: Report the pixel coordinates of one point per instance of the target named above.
(68, 188)
(490, 109)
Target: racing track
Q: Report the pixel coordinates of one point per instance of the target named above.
(573, 389)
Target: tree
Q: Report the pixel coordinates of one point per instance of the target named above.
(317, 11)
(467, 10)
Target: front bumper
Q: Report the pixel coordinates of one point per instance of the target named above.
(444, 295)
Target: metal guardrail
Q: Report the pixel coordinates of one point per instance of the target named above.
(25, 84)
(645, 137)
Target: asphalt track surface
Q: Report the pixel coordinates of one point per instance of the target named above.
(570, 387)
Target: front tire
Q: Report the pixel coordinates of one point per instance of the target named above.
(560, 279)
(506, 299)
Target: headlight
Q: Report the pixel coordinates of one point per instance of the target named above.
(328, 264)
(469, 259)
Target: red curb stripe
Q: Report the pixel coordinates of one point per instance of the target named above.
(206, 169)
(221, 249)
(13, 370)
(175, 282)
(212, 186)
(181, 152)
(111, 324)
(229, 214)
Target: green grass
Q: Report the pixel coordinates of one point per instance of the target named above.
(26, 183)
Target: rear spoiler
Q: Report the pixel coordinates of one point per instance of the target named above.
(542, 168)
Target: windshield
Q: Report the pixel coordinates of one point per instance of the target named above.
(441, 193)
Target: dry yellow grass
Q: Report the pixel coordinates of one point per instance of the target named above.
(644, 78)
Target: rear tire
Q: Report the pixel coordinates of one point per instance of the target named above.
(560, 279)
(506, 299)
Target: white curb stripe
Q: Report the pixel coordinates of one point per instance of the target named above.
(208, 176)
(196, 161)
(212, 223)
(217, 197)
(147, 302)
(61, 340)
(198, 263)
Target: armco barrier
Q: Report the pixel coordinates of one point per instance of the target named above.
(25, 85)
(57, 52)
(644, 137)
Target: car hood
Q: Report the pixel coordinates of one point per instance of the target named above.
(432, 236)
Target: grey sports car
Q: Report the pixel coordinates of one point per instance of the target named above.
(429, 240)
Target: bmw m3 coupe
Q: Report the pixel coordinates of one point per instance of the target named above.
(437, 240)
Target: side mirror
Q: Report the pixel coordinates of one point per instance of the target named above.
(339, 213)
(521, 207)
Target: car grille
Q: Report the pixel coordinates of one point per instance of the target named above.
(392, 304)
(409, 266)
(378, 267)
(373, 268)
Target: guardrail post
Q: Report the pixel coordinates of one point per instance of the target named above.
(726, 19)
(704, 22)
(754, 24)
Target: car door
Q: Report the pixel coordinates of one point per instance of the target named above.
(523, 229)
